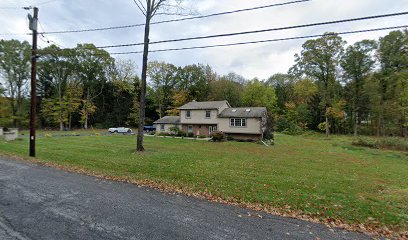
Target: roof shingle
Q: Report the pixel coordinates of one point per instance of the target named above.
(254, 112)
(203, 105)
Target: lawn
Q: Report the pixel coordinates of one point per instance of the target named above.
(307, 176)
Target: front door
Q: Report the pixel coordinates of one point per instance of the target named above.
(212, 129)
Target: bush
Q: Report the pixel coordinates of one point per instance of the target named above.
(394, 143)
(164, 134)
(293, 129)
(174, 130)
(229, 138)
(190, 135)
(217, 136)
(202, 136)
(181, 134)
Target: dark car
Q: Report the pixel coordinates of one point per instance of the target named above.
(149, 128)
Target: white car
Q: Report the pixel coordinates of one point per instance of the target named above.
(120, 130)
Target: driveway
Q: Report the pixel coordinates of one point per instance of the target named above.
(38, 202)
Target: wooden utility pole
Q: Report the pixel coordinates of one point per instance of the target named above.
(33, 27)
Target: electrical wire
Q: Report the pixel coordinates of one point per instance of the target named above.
(250, 42)
(261, 31)
(265, 41)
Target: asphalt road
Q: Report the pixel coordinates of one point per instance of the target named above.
(38, 202)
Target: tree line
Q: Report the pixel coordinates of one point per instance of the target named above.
(334, 88)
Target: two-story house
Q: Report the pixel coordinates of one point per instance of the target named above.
(203, 118)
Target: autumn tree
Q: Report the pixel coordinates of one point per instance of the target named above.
(319, 60)
(57, 67)
(357, 62)
(15, 72)
(393, 57)
(162, 78)
(257, 94)
(92, 66)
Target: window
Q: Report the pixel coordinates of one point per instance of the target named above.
(190, 129)
(188, 114)
(162, 127)
(238, 122)
(207, 114)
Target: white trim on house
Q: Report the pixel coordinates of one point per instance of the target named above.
(238, 122)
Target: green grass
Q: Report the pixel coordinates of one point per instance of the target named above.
(326, 178)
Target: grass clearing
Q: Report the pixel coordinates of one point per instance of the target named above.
(310, 175)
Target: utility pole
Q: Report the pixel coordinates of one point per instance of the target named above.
(33, 27)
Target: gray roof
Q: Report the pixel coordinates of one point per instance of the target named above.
(254, 112)
(203, 105)
(168, 120)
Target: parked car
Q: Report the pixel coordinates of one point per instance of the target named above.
(149, 128)
(120, 130)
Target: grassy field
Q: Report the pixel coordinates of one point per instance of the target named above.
(307, 175)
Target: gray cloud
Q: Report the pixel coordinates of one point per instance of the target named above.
(261, 60)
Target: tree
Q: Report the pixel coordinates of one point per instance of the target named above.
(257, 94)
(149, 10)
(319, 60)
(163, 78)
(15, 70)
(225, 89)
(393, 57)
(194, 80)
(57, 67)
(92, 66)
(357, 63)
(283, 85)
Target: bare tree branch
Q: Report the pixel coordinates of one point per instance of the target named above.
(141, 4)
(140, 8)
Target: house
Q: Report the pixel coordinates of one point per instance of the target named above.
(203, 118)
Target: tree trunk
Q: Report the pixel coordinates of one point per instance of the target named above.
(355, 123)
(60, 105)
(70, 121)
(327, 126)
(86, 119)
(86, 110)
(140, 131)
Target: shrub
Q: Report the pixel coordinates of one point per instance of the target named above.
(293, 129)
(190, 135)
(164, 134)
(217, 136)
(322, 126)
(229, 138)
(394, 143)
(201, 136)
(174, 130)
(48, 135)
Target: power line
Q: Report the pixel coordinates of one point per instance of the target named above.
(46, 39)
(46, 2)
(265, 41)
(27, 8)
(177, 20)
(250, 42)
(261, 31)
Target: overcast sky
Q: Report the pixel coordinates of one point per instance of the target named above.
(258, 60)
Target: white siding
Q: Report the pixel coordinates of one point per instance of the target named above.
(253, 126)
(166, 127)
